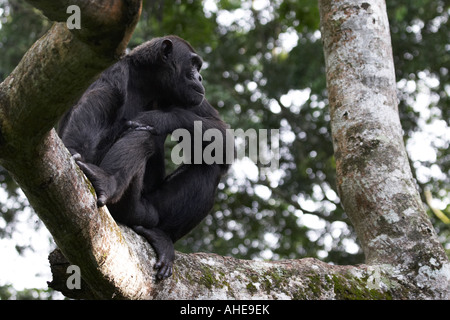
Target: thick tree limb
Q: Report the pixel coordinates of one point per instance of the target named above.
(209, 276)
(405, 261)
(106, 25)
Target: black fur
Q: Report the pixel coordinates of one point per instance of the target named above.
(116, 133)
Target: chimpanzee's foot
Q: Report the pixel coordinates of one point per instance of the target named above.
(101, 181)
(163, 247)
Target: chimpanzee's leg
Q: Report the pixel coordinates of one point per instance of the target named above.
(185, 198)
(125, 160)
(163, 247)
(182, 201)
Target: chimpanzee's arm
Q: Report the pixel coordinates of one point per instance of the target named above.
(88, 128)
(165, 122)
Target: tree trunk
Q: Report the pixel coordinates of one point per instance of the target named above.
(404, 258)
(374, 179)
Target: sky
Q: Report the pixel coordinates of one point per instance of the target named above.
(30, 270)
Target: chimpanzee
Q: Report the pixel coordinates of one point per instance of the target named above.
(116, 133)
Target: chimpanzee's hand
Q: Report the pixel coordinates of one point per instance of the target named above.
(137, 126)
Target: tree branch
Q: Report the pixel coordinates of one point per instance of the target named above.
(106, 25)
(209, 276)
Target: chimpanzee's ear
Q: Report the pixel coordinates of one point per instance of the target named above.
(166, 49)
